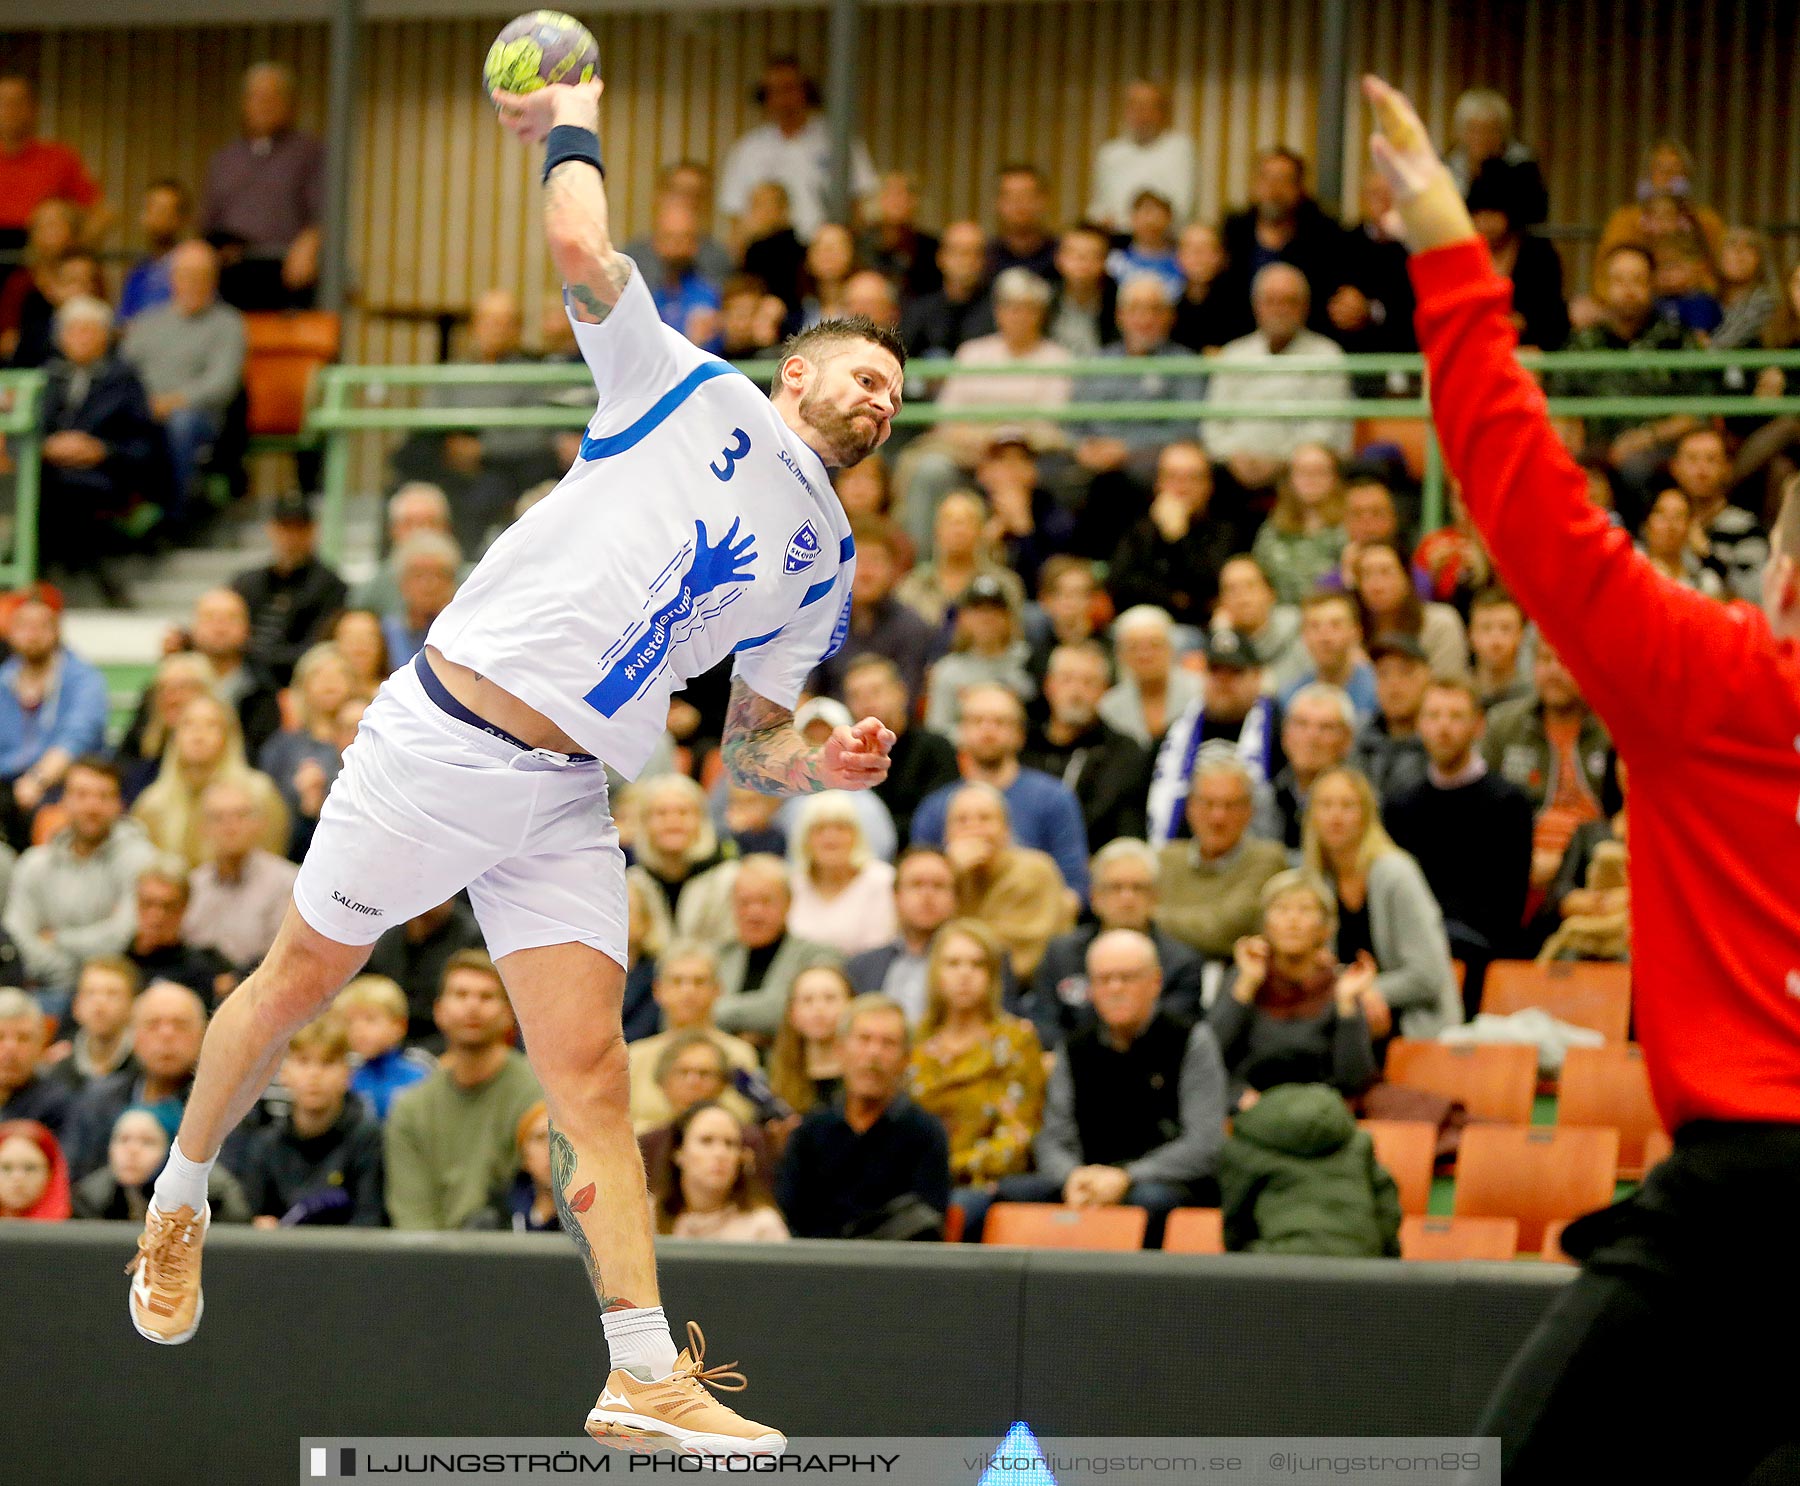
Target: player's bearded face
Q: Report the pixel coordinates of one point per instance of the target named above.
(837, 410)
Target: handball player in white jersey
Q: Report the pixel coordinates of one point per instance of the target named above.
(698, 523)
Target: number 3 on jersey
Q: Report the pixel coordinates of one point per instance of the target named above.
(740, 446)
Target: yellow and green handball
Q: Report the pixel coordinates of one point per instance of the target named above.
(539, 48)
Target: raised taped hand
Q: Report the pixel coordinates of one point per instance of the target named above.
(1428, 209)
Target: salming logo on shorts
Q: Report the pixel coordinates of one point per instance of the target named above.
(353, 905)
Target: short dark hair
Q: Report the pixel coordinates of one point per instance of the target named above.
(1705, 430)
(743, 283)
(870, 661)
(1021, 167)
(1495, 597)
(814, 338)
(104, 767)
(1462, 686)
(1320, 597)
(1089, 229)
(1093, 649)
(1059, 565)
(918, 849)
(789, 62)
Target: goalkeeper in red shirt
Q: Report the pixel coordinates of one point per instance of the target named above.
(1666, 1358)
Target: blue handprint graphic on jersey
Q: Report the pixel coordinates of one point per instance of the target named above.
(712, 566)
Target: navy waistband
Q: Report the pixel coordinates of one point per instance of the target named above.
(440, 694)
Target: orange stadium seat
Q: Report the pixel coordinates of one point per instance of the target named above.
(1657, 1147)
(1050, 1225)
(1458, 1238)
(1408, 1149)
(1535, 1174)
(1494, 1081)
(953, 1224)
(1610, 1086)
(1194, 1230)
(1584, 993)
(285, 350)
(1550, 1248)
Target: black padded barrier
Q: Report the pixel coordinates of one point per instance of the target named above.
(342, 1333)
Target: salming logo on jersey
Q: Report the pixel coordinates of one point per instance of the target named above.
(642, 653)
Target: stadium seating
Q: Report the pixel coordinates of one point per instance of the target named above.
(1584, 993)
(1408, 1149)
(1493, 1081)
(1550, 1248)
(1458, 1238)
(1609, 1086)
(1535, 1174)
(285, 352)
(1194, 1230)
(1050, 1225)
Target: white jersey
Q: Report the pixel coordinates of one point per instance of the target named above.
(695, 525)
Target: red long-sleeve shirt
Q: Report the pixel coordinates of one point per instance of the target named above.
(1702, 700)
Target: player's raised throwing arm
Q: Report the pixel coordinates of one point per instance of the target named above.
(566, 119)
(764, 753)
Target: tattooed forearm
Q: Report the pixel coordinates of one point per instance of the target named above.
(569, 1207)
(575, 225)
(763, 752)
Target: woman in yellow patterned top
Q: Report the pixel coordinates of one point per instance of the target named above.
(977, 1068)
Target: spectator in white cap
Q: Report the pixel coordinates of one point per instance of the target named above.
(816, 721)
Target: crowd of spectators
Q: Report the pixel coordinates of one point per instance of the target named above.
(1213, 774)
(146, 397)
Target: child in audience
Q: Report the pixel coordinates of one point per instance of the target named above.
(323, 1162)
(1297, 1177)
(1683, 292)
(375, 1017)
(101, 1011)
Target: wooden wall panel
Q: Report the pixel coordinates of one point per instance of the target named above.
(443, 205)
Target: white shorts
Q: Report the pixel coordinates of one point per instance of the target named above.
(428, 804)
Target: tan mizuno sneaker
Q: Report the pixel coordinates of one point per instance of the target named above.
(677, 1413)
(165, 1274)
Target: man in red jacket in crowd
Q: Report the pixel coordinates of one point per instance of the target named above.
(1666, 1358)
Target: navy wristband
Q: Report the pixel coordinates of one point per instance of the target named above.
(568, 142)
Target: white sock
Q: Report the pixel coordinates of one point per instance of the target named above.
(640, 1342)
(183, 1182)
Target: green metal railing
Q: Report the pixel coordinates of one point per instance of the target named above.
(21, 393)
(338, 419)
